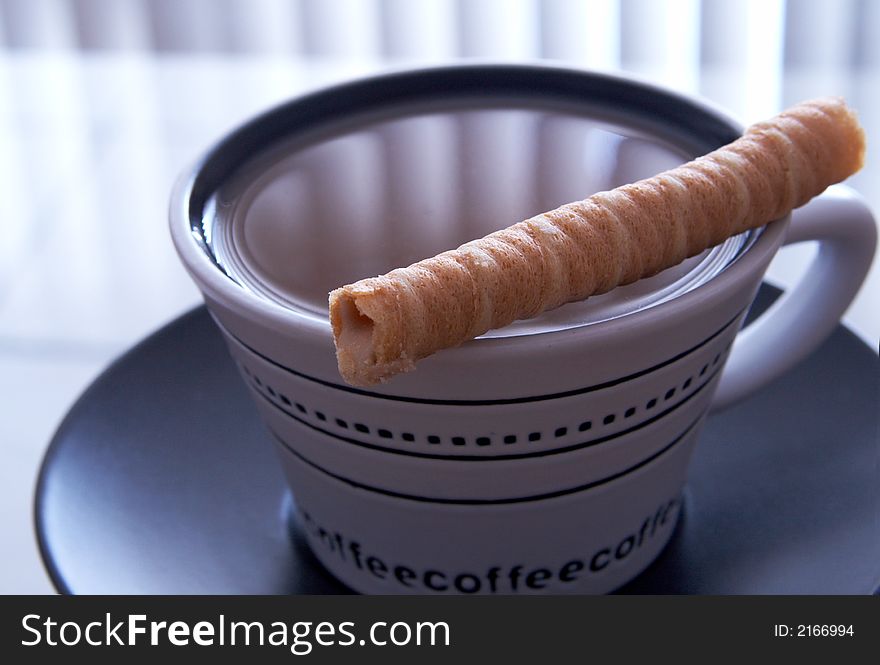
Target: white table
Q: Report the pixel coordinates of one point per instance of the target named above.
(89, 148)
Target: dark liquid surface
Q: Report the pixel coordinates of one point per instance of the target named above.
(390, 192)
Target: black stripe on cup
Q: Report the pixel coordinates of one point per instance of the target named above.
(489, 458)
(489, 502)
(487, 402)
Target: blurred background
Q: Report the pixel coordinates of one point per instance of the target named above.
(104, 102)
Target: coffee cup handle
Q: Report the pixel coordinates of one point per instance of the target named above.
(805, 315)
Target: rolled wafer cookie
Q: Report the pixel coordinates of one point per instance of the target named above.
(383, 325)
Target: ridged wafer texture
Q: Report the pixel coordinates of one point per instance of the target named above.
(384, 325)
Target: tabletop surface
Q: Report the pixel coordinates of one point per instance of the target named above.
(89, 148)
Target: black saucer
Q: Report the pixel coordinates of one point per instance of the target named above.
(162, 480)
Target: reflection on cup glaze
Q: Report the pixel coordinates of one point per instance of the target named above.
(365, 201)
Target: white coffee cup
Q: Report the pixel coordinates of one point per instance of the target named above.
(546, 458)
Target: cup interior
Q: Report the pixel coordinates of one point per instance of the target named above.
(305, 218)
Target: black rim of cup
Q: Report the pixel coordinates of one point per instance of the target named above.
(669, 115)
